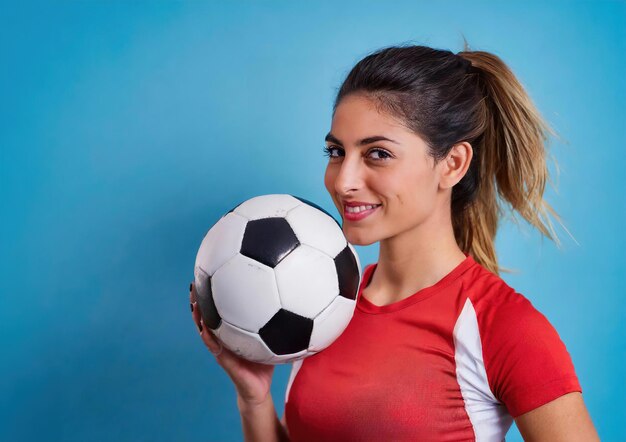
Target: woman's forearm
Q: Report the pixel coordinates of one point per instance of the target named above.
(260, 421)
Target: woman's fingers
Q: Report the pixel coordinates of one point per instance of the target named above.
(192, 294)
(210, 340)
(195, 311)
(207, 337)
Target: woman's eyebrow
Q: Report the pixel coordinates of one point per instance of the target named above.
(330, 137)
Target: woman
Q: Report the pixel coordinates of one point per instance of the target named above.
(423, 144)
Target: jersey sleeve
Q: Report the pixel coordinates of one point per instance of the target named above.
(526, 361)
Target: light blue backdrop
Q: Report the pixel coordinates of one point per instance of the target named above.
(127, 129)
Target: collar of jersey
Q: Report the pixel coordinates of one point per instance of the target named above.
(368, 307)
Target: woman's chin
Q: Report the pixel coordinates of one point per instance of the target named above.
(357, 239)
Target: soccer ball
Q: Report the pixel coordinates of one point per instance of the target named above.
(276, 280)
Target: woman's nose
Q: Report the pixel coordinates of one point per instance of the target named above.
(349, 178)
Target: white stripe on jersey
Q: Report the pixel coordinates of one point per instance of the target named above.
(295, 367)
(488, 416)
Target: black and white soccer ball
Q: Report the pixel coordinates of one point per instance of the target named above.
(276, 279)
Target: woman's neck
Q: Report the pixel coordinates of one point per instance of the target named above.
(413, 260)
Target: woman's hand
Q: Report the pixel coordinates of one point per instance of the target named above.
(252, 380)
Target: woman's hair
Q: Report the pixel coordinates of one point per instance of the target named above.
(472, 96)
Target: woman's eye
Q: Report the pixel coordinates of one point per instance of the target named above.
(379, 154)
(375, 154)
(332, 151)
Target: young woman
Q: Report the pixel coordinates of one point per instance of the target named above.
(424, 148)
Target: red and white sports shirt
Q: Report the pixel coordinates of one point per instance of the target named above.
(456, 361)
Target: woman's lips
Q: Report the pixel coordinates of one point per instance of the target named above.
(357, 216)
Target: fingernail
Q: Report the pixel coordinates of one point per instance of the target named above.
(190, 286)
(191, 305)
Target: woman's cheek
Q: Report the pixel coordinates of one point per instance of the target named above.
(329, 182)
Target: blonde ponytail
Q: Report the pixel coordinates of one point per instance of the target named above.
(513, 164)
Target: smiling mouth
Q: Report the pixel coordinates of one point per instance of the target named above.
(359, 209)
(358, 213)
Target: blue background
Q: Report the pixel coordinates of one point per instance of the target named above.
(128, 128)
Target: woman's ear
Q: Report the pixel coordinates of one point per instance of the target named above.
(454, 166)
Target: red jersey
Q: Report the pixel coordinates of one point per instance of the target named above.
(455, 361)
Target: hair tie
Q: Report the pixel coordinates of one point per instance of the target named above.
(467, 64)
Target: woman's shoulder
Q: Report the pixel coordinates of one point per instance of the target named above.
(488, 290)
(526, 361)
(502, 310)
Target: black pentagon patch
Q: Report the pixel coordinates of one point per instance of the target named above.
(287, 332)
(317, 207)
(347, 273)
(204, 296)
(268, 240)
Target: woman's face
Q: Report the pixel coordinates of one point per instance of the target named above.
(396, 176)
